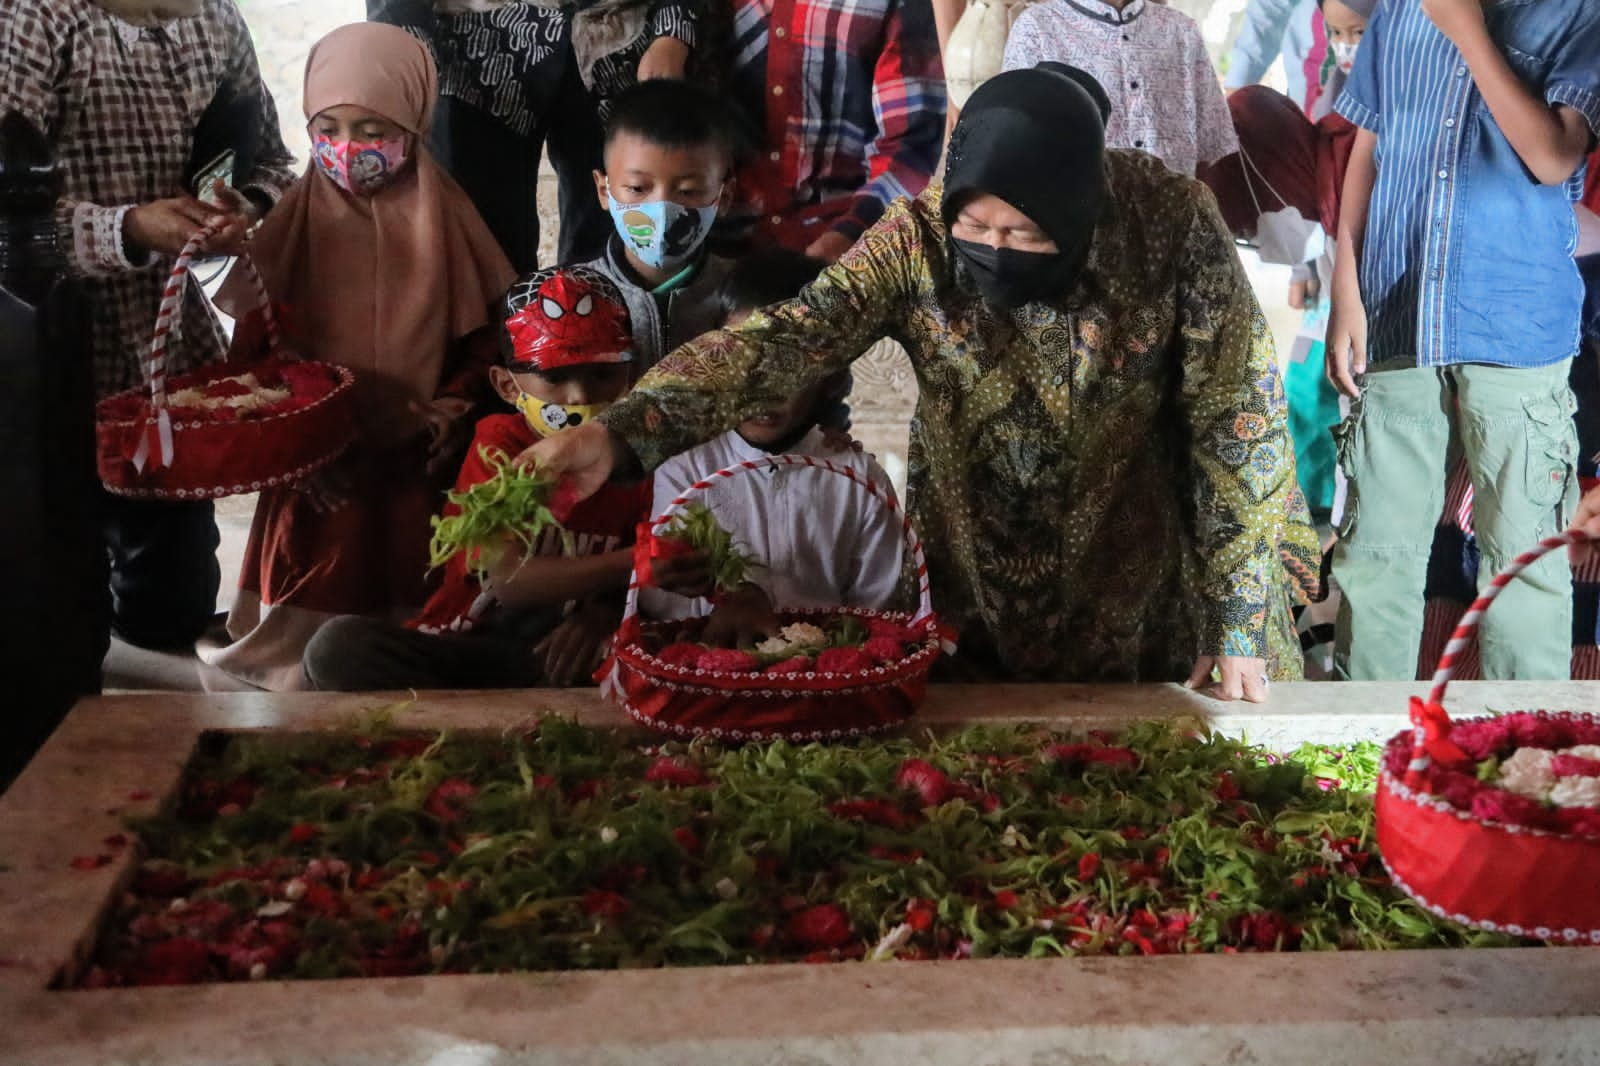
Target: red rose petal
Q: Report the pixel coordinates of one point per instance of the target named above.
(726, 661)
(843, 661)
(819, 927)
(930, 783)
(1574, 766)
(676, 773)
(604, 904)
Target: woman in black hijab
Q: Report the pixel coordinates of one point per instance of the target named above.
(1037, 143)
(1099, 464)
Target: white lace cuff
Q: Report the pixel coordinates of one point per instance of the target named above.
(97, 245)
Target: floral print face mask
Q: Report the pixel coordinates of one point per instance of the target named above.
(360, 168)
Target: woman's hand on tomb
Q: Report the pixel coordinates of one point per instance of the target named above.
(1230, 677)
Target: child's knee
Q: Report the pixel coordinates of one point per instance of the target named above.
(341, 655)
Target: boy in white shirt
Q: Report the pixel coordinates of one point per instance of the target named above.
(1152, 64)
(820, 540)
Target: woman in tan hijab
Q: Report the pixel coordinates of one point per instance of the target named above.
(379, 263)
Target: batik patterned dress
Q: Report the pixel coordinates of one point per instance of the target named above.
(1105, 485)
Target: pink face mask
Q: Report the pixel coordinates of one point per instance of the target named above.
(359, 167)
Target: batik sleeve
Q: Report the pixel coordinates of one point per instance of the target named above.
(711, 384)
(1233, 401)
(908, 104)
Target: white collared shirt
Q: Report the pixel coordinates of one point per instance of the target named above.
(1165, 96)
(821, 540)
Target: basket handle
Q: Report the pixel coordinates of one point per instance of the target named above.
(913, 543)
(157, 436)
(1430, 733)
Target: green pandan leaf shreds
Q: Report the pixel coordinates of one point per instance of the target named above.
(365, 852)
(697, 527)
(511, 508)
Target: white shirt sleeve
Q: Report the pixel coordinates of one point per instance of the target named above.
(879, 547)
(1216, 136)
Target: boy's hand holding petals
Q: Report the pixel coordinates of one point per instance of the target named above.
(1459, 20)
(684, 575)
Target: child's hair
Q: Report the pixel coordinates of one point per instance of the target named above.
(671, 114)
(767, 277)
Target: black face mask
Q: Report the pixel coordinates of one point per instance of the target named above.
(1009, 278)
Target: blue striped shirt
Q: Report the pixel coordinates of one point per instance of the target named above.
(1467, 258)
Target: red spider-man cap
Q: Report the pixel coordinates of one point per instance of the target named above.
(566, 317)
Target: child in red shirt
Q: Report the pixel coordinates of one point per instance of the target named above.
(544, 617)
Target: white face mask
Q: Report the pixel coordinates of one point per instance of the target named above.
(1285, 236)
(1288, 238)
(1344, 54)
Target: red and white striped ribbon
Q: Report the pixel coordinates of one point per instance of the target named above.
(1461, 639)
(879, 492)
(157, 436)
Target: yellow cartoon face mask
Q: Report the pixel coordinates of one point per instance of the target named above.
(546, 418)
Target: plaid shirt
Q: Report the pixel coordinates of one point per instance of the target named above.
(119, 106)
(846, 102)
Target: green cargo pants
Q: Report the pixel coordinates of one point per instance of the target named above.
(1514, 426)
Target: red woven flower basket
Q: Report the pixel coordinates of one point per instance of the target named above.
(751, 706)
(1474, 871)
(144, 450)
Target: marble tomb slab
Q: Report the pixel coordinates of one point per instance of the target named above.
(1523, 1007)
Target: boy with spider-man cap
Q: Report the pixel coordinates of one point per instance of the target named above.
(544, 617)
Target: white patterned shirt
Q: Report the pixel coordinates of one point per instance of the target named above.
(1166, 98)
(821, 541)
